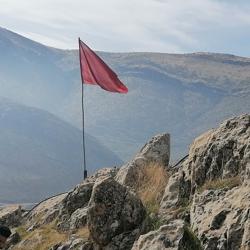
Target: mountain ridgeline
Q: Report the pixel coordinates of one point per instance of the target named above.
(183, 94)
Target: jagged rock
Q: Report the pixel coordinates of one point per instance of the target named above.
(157, 150)
(44, 213)
(173, 236)
(13, 240)
(220, 218)
(174, 203)
(74, 244)
(11, 216)
(79, 218)
(220, 153)
(122, 241)
(170, 197)
(102, 174)
(76, 199)
(113, 212)
(73, 207)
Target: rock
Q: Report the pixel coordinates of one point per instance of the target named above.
(11, 216)
(220, 218)
(170, 197)
(157, 150)
(78, 218)
(220, 153)
(76, 199)
(73, 208)
(173, 236)
(175, 202)
(123, 241)
(113, 211)
(74, 244)
(44, 213)
(102, 174)
(13, 240)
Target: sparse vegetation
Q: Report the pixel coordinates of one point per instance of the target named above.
(221, 183)
(152, 181)
(190, 240)
(45, 237)
(153, 222)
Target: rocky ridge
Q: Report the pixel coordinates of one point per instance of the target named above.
(205, 203)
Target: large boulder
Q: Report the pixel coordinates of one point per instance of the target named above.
(114, 215)
(73, 208)
(157, 151)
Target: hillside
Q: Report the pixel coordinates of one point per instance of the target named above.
(202, 204)
(182, 94)
(41, 154)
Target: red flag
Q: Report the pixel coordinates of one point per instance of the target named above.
(95, 71)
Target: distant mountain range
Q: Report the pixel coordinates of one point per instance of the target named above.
(41, 155)
(183, 94)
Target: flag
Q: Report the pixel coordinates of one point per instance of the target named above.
(95, 71)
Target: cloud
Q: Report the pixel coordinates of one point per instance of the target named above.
(135, 25)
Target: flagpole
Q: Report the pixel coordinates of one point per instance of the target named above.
(85, 172)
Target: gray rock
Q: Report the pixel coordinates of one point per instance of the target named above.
(79, 218)
(76, 199)
(157, 150)
(220, 218)
(113, 212)
(220, 153)
(11, 216)
(172, 236)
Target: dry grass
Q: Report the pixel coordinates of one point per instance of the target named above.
(83, 232)
(221, 183)
(40, 239)
(45, 237)
(151, 184)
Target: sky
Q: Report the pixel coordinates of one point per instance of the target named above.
(168, 26)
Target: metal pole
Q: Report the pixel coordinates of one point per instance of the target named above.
(85, 172)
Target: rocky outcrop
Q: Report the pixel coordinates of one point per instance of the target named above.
(157, 150)
(221, 218)
(209, 191)
(115, 215)
(73, 208)
(220, 153)
(172, 236)
(11, 216)
(44, 212)
(206, 202)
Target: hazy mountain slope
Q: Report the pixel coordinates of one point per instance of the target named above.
(181, 94)
(40, 154)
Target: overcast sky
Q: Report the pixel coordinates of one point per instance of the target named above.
(170, 26)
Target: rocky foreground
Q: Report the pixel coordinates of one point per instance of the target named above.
(202, 203)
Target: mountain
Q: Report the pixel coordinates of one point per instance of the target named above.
(41, 154)
(183, 94)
